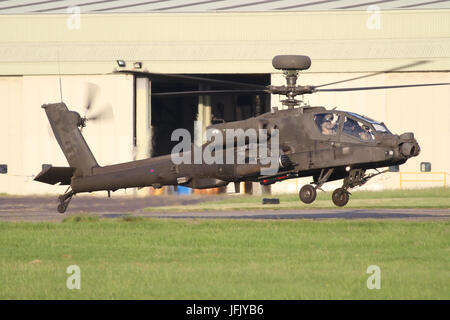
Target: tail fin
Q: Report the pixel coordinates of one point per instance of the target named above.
(65, 125)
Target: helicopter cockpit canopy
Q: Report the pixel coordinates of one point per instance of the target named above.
(361, 127)
(358, 129)
(378, 126)
(354, 125)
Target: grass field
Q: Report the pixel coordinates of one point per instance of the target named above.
(137, 258)
(414, 198)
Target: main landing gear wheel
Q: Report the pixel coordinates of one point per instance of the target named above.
(308, 193)
(340, 197)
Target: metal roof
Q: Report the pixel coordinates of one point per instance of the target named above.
(143, 6)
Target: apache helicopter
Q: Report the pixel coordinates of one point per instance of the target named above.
(313, 141)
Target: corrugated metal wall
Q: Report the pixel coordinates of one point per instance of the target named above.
(126, 6)
(223, 42)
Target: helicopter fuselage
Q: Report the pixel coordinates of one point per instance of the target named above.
(303, 151)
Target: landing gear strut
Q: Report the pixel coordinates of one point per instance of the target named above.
(341, 196)
(355, 178)
(64, 201)
(308, 192)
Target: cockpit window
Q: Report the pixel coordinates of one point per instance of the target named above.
(358, 129)
(358, 116)
(328, 123)
(379, 126)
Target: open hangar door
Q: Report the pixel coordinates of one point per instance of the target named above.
(168, 113)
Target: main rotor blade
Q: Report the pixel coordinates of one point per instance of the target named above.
(207, 93)
(192, 79)
(417, 63)
(383, 87)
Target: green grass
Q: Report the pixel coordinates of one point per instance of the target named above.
(81, 218)
(415, 198)
(223, 259)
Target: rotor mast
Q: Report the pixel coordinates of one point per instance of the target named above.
(291, 81)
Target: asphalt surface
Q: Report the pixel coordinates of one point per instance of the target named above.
(17, 208)
(44, 209)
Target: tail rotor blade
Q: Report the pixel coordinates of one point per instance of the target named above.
(105, 114)
(91, 93)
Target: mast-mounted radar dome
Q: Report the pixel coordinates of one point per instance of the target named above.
(291, 62)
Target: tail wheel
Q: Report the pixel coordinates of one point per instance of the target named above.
(308, 193)
(61, 208)
(340, 197)
(64, 201)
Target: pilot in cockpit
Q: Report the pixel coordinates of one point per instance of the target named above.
(327, 127)
(365, 133)
(350, 126)
(357, 129)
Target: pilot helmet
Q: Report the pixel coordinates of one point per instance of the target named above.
(328, 117)
(365, 127)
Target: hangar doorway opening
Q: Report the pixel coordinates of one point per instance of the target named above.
(170, 113)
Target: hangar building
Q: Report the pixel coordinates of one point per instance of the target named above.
(56, 50)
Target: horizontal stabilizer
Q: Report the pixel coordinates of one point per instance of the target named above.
(53, 175)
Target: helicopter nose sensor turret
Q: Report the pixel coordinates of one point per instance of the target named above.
(409, 147)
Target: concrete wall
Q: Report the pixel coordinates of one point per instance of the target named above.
(27, 139)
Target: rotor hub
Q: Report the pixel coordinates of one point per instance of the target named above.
(291, 65)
